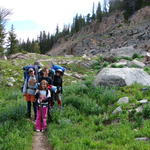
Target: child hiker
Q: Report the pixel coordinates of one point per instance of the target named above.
(43, 96)
(29, 89)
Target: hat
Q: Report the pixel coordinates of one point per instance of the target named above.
(148, 54)
(59, 70)
(30, 70)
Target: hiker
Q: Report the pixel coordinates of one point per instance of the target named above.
(58, 83)
(43, 96)
(29, 89)
(45, 76)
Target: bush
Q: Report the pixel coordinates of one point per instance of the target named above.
(135, 55)
(147, 69)
(146, 111)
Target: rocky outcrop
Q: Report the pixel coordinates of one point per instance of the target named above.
(122, 77)
(111, 34)
(124, 52)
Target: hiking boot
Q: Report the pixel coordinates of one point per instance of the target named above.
(37, 130)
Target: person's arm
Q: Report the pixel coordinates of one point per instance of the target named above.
(61, 86)
(25, 87)
(48, 97)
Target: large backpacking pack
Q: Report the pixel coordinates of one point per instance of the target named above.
(26, 71)
(57, 67)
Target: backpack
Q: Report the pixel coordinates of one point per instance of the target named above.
(56, 67)
(26, 71)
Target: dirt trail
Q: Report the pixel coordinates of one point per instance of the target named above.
(40, 142)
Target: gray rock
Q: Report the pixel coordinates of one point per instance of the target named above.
(117, 110)
(10, 84)
(142, 139)
(123, 100)
(122, 62)
(125, 51)
(68, 74)
(122, 77)
(11, 79)
(139, 109)
(143, 101)
(137, 63)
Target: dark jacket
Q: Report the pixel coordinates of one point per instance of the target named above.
(58, 82)
(48, 79)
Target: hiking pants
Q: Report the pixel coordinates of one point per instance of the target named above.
(29, 109)
(41, 120)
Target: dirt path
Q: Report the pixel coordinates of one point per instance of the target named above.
(40, 142)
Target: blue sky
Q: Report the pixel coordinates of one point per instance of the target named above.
(32, 16)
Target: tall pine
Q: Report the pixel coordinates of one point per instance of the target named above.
(12, 46)
(99, 13)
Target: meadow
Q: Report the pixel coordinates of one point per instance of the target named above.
(86, 121)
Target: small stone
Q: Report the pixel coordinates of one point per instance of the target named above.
(117, 110)
(139, 109)
(143, 139)
(74, 81)
(10, 84)
(11, 79)
(143, 101)
(138, 63)
(123, 100)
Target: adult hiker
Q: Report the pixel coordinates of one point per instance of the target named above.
(43, 96)
(29, 89)
(58, 83)
(45, 76)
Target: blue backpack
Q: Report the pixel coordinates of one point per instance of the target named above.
(56, 67)
(26, 71)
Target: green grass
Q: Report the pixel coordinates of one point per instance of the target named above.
(87, 122)
(15, 131)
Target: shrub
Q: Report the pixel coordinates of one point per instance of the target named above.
(146, 111)
(147, 69)
(135, 55)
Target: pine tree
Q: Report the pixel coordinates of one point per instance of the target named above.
(4, 14)
(105, 6)
(88, 19)
(12, 46)
(93, 12)
(99, 13)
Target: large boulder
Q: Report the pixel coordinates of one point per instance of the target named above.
(122, 77)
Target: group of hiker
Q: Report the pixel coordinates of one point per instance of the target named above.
(42, 87)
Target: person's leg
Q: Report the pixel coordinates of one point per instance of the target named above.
(34, 108)
(38, 119)
(44, 117)
(59, 101)
(52, 100)
(29, 109)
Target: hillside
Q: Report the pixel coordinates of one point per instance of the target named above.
(111, 33)
(92, 117)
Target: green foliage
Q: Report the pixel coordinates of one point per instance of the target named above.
(99, 13)
(77, 68)
(12, 46)
(146, 111)
(100, 63)
(4, 14)
(117, 66)
(135, 55)
(15, 131)
(147, 69)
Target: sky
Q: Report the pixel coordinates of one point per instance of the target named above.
(29, 17)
